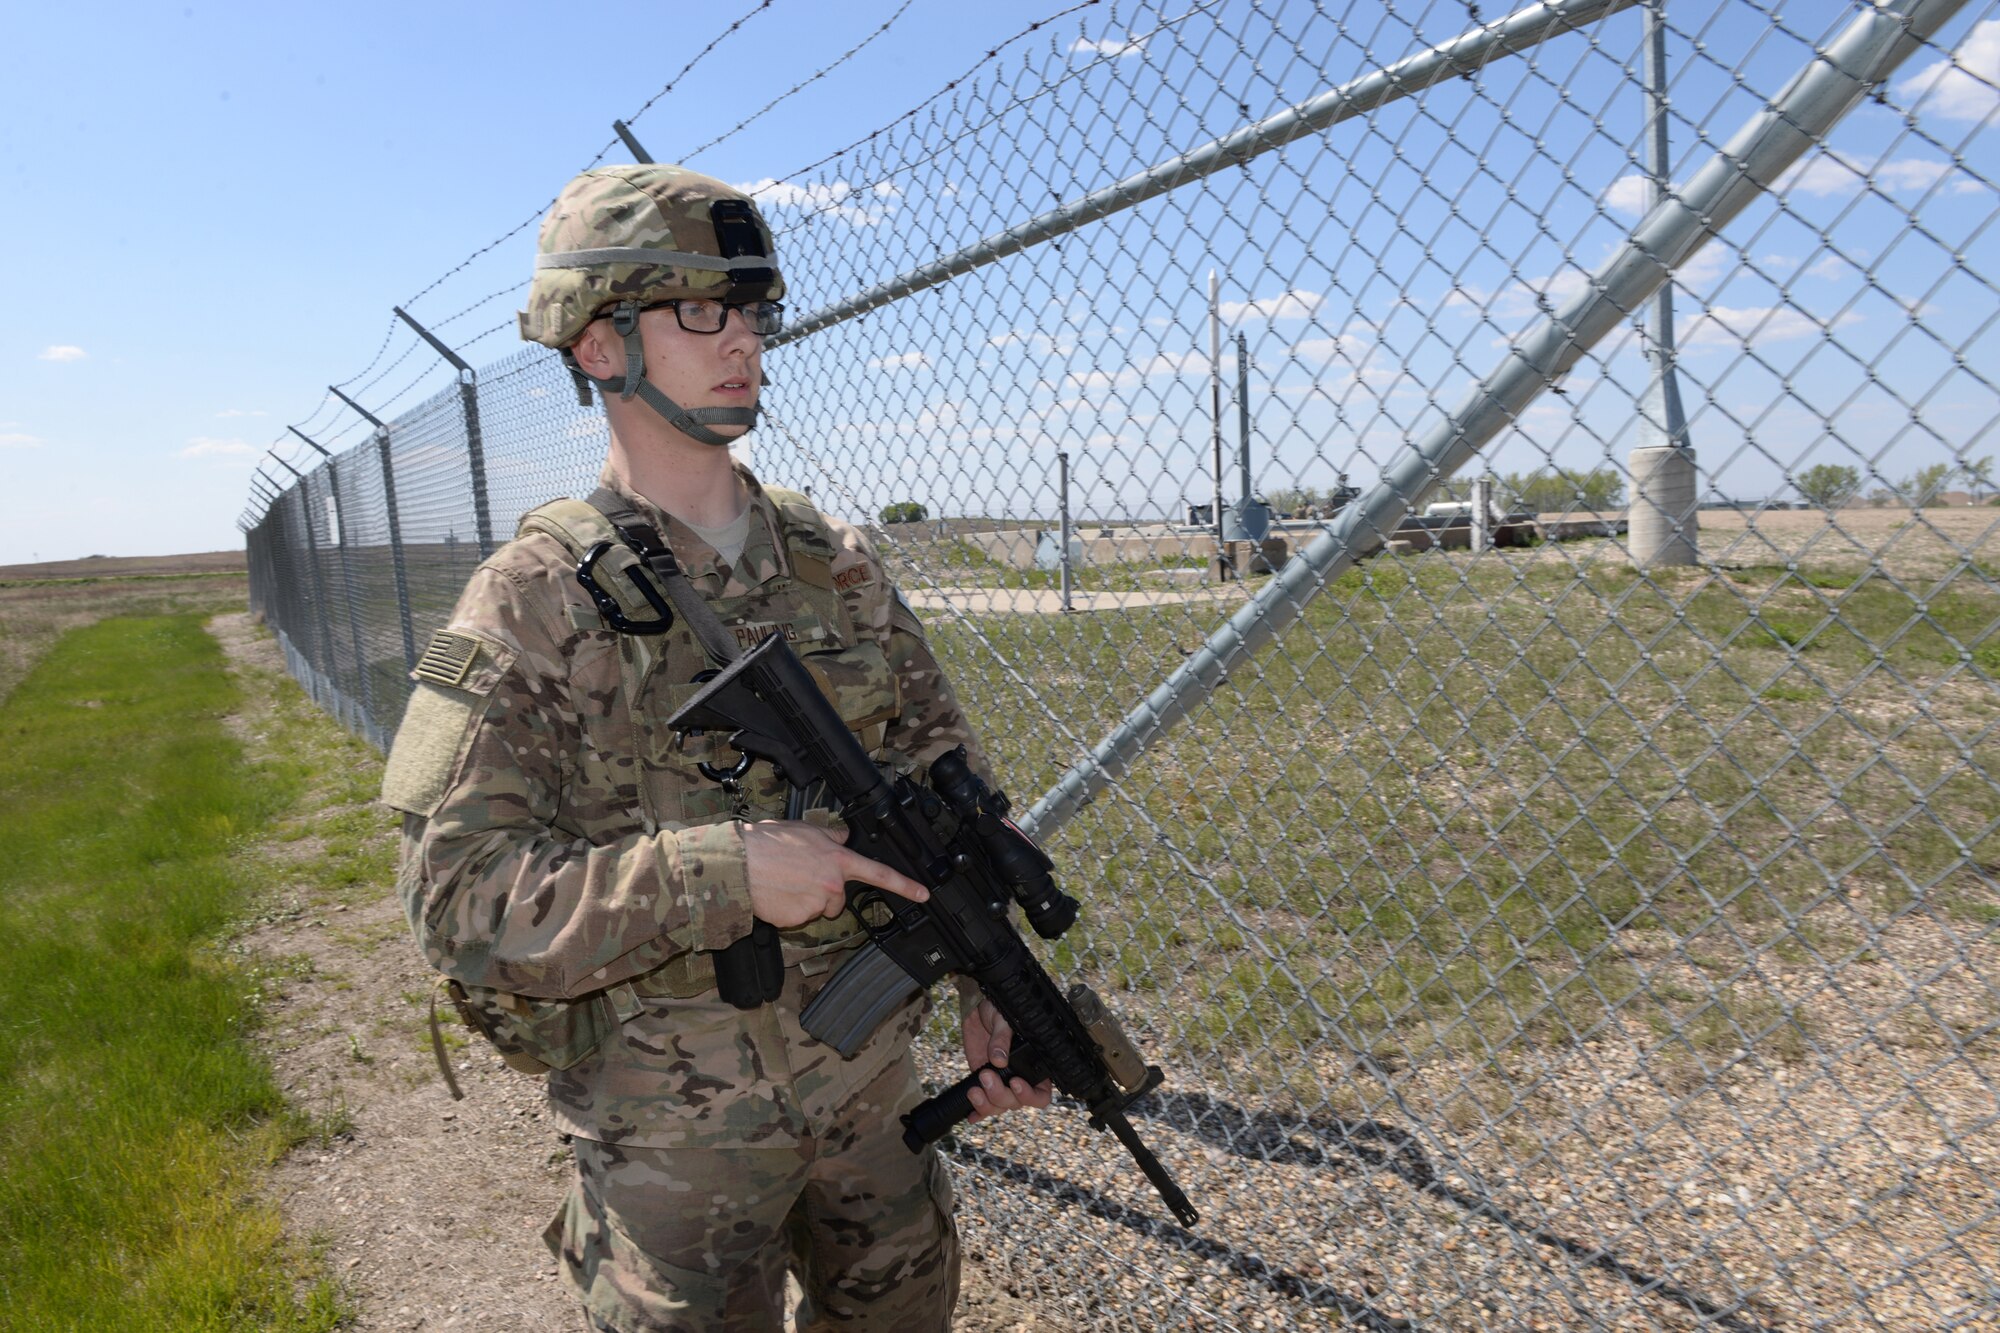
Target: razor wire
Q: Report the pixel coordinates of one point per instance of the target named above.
(1469, 535)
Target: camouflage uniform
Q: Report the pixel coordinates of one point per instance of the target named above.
(561, 846)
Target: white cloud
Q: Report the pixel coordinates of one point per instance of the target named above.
(1293, 304)
(1109, 46)
(1966, 87)
(241, 412)
(1831, 173)
(19, 441)
(901, 361)
(1345, 350)
(1832, 266)
(837, 198)
(1628, 194)
(62, 352)
(204, 446)
(1737, 326)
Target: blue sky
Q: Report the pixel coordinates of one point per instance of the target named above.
(216, 208)
(213, 207)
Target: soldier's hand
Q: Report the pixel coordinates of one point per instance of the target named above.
(987, 1037)
(799, 872)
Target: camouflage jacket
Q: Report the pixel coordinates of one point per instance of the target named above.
(560, 844)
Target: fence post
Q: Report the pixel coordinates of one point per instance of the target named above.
(346, 577)
(468, 401)
(395, 526)
(304, 493)
(396, 550)
(1215, 419)
(632, 146)
(1663, 515)
(1062, 504)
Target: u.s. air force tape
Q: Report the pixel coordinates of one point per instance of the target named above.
(447, 659)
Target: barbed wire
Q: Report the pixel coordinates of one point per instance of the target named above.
(991, 55)
(800, 86)
(537, 215)
(504, 291)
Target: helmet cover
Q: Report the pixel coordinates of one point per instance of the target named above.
(644, 232)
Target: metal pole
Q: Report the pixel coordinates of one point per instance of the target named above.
(624, 132)
(1215, 417)
(323, 669)
(359, 410)
(468, 401)
(366, 692)
(1663, 513)
(1062, 502)
(310, 440)
(1243, 423)
(1462, 55)
(396, 550)
(475, 459)
(1864, 54)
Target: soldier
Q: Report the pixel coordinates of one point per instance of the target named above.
(575, 869)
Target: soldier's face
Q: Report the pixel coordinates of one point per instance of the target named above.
(704, 369)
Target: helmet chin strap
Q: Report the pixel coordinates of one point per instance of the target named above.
(691, 422)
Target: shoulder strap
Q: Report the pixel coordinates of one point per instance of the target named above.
(575, 523)
(642, 537)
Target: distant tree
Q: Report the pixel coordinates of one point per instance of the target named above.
(1926, 483)
(1294, 499)
(1550, 491)
(904, 511)
(1978, 475)
(1828, 485)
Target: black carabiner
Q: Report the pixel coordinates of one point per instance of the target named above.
(726, 776)
(607, 605)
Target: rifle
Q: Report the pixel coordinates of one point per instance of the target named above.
(955, 838)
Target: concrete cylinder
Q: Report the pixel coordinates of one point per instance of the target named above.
(1663, 519)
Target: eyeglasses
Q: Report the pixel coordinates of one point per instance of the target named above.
(764, 317)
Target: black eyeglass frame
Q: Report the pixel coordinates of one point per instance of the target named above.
(774, 312)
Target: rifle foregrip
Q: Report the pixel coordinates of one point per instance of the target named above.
(928, 1121)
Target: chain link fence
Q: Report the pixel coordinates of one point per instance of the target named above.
(1509, 662)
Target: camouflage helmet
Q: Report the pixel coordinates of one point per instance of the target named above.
(644, 233)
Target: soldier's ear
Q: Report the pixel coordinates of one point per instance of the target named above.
(594, 350)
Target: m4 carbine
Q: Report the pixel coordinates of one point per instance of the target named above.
(954, 837)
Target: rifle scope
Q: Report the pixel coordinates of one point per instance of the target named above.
(1022, 866)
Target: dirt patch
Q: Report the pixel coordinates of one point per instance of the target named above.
(428, 1211)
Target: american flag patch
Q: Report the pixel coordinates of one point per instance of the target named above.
(448, 659)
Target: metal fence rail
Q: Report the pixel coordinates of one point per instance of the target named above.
(1571, 907)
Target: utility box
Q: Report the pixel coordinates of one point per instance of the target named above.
(1049, 554)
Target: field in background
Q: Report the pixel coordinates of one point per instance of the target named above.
(39, 602)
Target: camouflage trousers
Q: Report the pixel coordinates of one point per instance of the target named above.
(690, 1240)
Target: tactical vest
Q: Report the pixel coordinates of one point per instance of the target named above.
(657, 673)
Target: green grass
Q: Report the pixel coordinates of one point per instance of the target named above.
(136, 1120)
(1463, 792)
